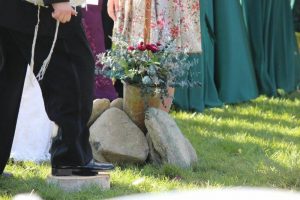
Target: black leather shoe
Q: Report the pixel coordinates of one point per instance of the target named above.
(90, 169)
(6, 175)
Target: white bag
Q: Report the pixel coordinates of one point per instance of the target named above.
(72, 2)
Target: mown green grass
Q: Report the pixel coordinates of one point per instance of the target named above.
(251, 144)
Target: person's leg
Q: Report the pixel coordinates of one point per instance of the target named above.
(12, 75)
(166, 105)
(68, 93)
(67, 89)
(108, 25)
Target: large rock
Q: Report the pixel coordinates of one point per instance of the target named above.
(154, 156)
(99, 106)
(168, 144)
(116, 138)
(117, 103)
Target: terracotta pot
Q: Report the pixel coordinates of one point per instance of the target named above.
(135, 105)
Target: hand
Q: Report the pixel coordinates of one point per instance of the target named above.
(63, 12)
(113, 8)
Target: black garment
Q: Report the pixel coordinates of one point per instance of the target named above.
(67, 87)
(22, 16)
(108, 25)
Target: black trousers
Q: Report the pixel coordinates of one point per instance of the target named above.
(108, 25)
(67, 90)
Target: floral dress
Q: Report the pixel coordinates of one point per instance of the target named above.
(170, 19)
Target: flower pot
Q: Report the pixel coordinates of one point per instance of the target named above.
(135, 105)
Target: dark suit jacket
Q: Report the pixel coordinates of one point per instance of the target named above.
(22, 16)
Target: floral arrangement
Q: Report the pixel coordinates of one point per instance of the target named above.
(153, 67)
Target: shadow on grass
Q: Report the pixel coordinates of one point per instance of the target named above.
(225, 162)
(277, 106)
(225, 129)
(237, 166)
(15, 185)
(250, 117)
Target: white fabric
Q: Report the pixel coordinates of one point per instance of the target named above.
(92, 2)
(72, 2)
(34, 129)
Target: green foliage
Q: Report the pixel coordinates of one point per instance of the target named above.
(153, 67)
(251, 144)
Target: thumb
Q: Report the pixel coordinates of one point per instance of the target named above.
(74, 12)
(54, 14)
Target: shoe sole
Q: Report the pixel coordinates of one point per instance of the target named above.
(75, 172)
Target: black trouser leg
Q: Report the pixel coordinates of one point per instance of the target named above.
(67, 89)
(108, 25)
(12, 74)
(68, 94)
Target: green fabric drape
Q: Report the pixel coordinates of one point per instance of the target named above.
(225, 49)
(273, 43)
(244, 53)
(203, 70)
(191, 98)
(235, 75)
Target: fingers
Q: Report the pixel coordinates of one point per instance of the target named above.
(63, 12)
(62, 18)
(113, 8)
(73, 12)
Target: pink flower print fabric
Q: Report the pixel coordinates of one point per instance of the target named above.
(170, 19)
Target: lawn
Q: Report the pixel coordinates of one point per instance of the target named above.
(251, 144)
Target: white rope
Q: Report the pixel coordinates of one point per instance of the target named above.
(46, 62)
(34, 39)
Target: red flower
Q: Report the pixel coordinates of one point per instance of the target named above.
(175, 31)
(152, 47)
(141, 46)
(131, 48)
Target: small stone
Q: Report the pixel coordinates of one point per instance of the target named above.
(76, 183)
(99, 106)
(117, 103)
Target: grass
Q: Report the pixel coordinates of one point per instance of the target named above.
(251, 144)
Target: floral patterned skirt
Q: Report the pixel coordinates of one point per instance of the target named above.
(170, 19)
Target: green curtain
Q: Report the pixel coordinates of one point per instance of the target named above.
(244, 53)
(205, 96)
(235, 77)
(190, 98)
(226, 50)
(273, 42)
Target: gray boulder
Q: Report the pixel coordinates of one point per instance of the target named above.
(167, 143)
(116, 138)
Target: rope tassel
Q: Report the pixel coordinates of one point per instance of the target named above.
(46, 62)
